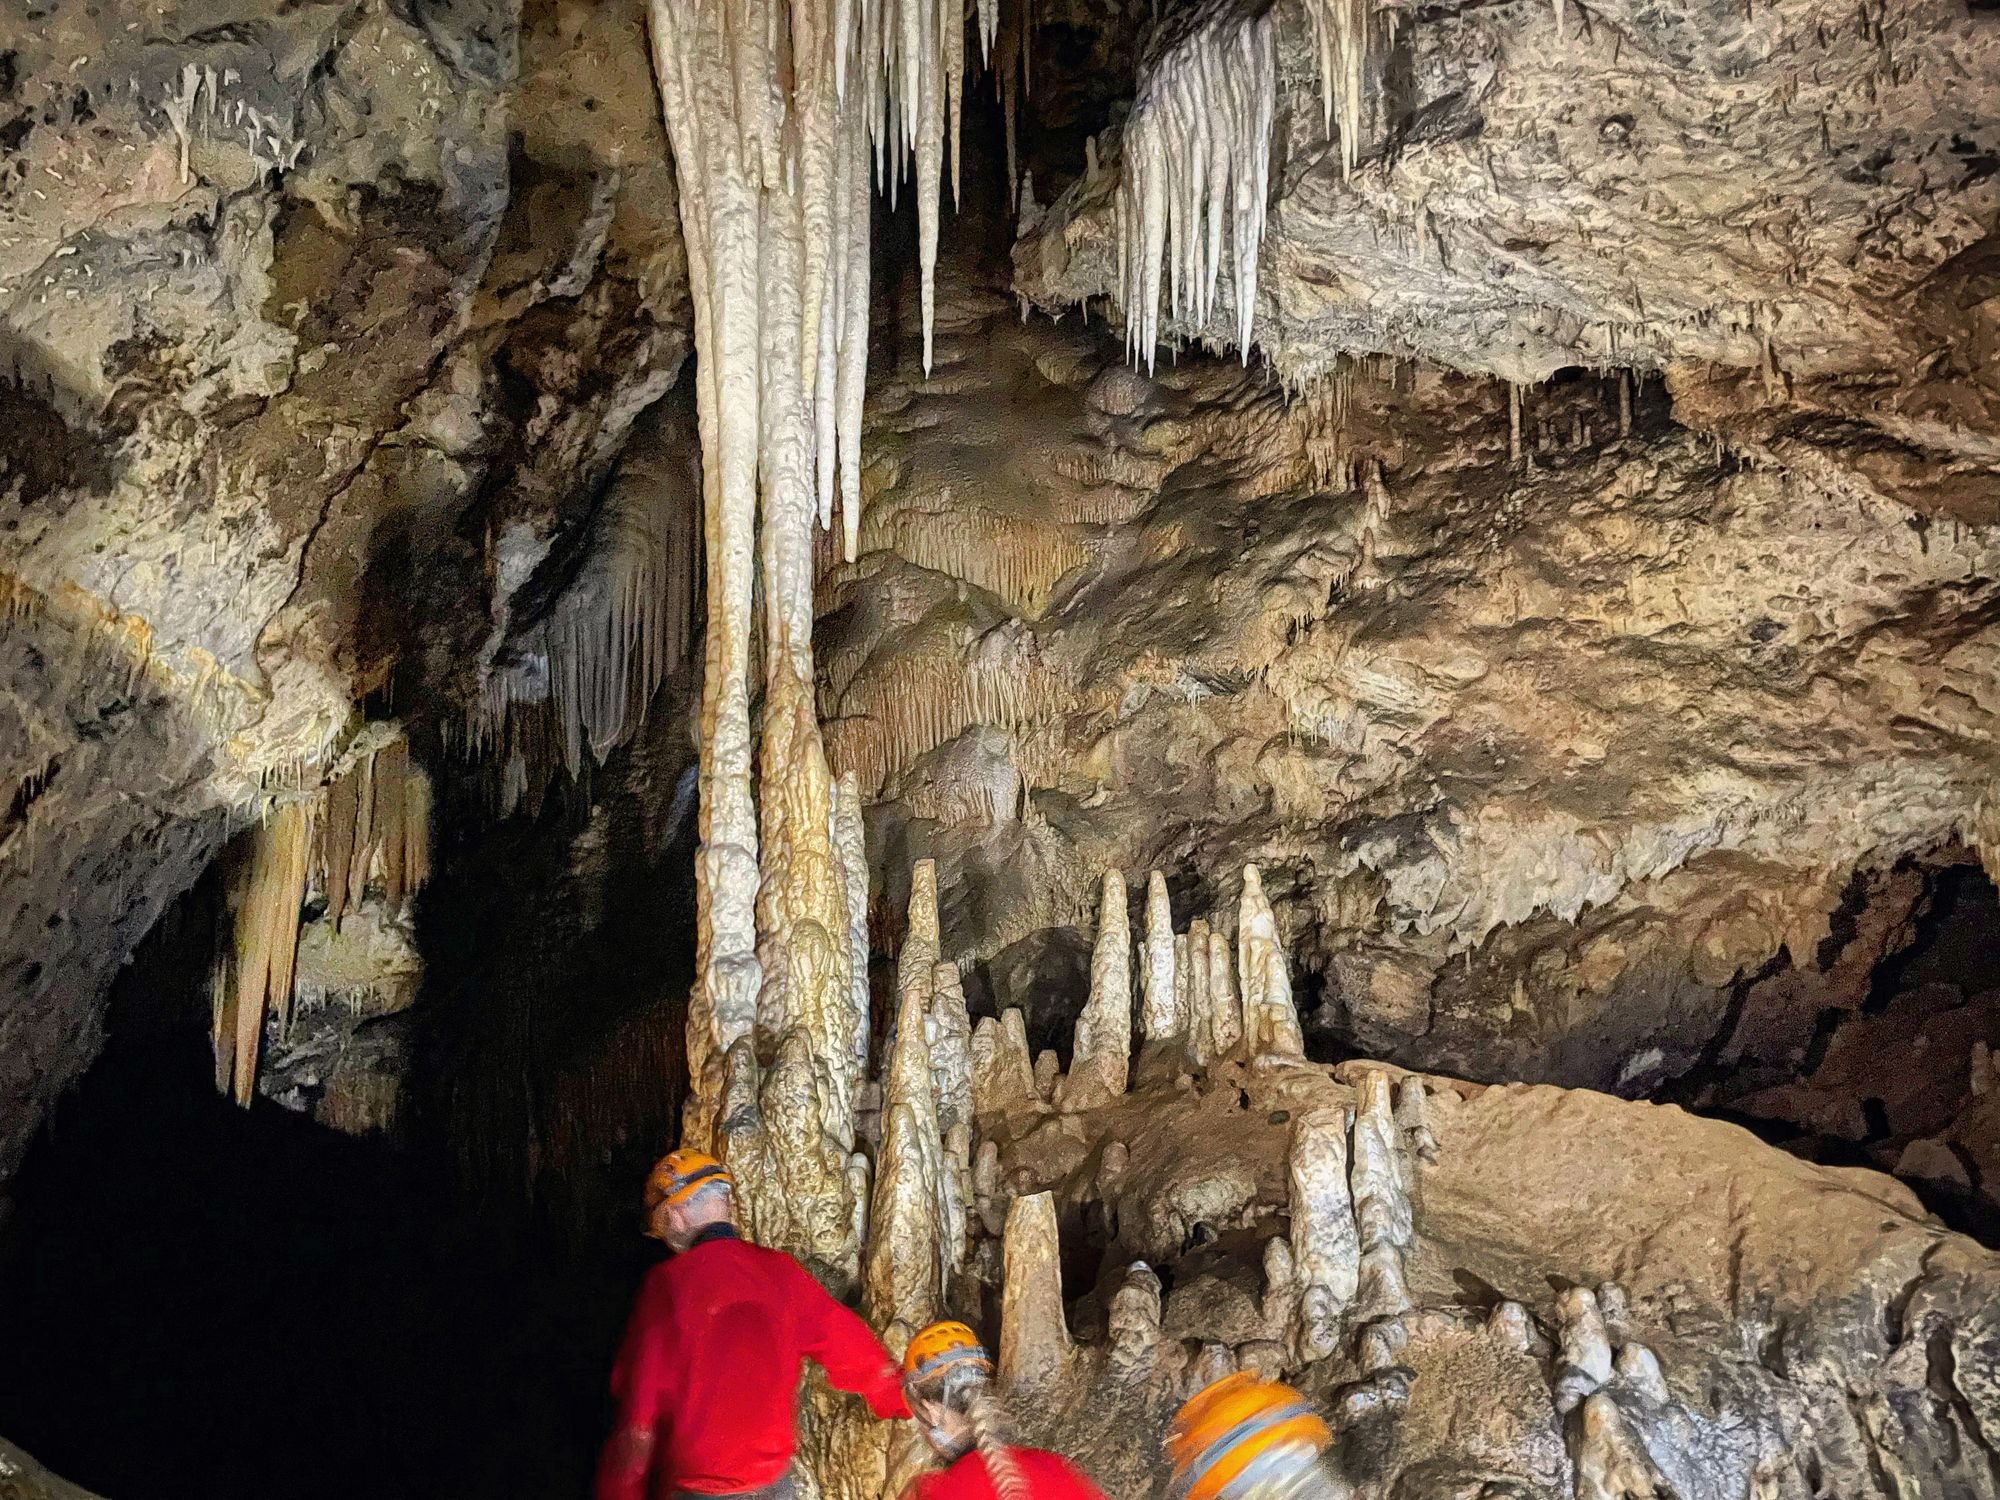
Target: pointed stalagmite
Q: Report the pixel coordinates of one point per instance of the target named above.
(1225, 1012)
(1100, 1061)
(1003, 1075)
(1611, 1460)
(1325, 1251)
(1034, 1338)
(1161, 1019)
(1134, 1321)
(920, 939)
(848, 843)
(902, 1273)
(1270, 1023)
(1381, 1204)
(951, 1068)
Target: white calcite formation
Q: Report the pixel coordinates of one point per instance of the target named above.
(1102, 1054)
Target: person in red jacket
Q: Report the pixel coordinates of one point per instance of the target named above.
(707, 1378)
(948, 1379)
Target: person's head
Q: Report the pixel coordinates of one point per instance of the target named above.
(685, 1193)
(1243, 1437)
(948, 1381)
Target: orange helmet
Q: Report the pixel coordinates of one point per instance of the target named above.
(1238, 1434)
(938, 1345)
(679, 1175)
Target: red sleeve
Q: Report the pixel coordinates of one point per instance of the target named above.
(627, 1461)
(1080, 1485)
(846, 1348)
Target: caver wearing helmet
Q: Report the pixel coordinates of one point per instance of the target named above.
(948, 1381)
(1242, 1438)
(708, 1376)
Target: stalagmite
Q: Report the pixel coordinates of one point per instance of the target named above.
(1160, 1017)
(848, 843)
(1611, 1461)
(1270, 1023)
(919, 954)
(794, 1187)
(1325, 1252)
(1639, 1369)
(1413, 1118)
(1133, 1322)
(951, 1068)
(1381, 1204)
(1197, 150)
(1003, 1075)
(1280, 1302)
(1191, 977)
(1034, 1338)
(1585, 1362)
(1100, 1059)
(903, 1269)
(1225, 1013)
(1048, 1075)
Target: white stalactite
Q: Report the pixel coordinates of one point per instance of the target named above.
(1160, 1016)
(1197, 149)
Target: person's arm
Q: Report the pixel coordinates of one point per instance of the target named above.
(627, 1461)
(847, 1349)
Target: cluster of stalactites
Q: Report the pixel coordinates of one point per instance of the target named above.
(366, 828)
(1197, 154)
(588, 668)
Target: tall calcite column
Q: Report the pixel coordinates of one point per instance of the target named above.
(1100, 1061)
(1161, 1018)
(1034, 1336)
(1326, 1254)
(1270, 1023)
(794, 1190)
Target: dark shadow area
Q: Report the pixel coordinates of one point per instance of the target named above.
(209, 1301)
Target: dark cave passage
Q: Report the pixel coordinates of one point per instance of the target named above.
(224, 1302)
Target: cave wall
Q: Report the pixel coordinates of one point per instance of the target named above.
(302, 312)
(1549, 746)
